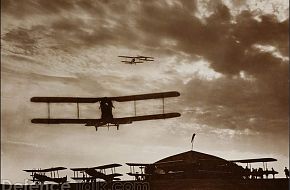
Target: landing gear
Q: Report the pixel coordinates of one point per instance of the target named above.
(96, 128)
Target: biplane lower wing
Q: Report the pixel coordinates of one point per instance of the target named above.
(83, 178)
(138, 175)
(114, 175)
(94, 122)
(129, 120)
(131, 57)
(132, 62)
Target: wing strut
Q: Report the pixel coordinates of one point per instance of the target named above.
(48, 110)
(163, 105)
(78, 110)
(135, 108)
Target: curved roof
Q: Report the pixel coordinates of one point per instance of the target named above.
(190, 157)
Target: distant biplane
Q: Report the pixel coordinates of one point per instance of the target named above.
(106, 106)
(39, 175)
(257, 172)
(99, 172)
(134, 61)
(138, 176)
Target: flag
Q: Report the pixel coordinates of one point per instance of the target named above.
(192, 137)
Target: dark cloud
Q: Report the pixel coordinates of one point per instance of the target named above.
(234, 104)
(227, 42)
(34, 7)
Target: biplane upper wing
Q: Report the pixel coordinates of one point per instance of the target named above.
(123, 56)
(137, 164)
(142, 56)
(107, 166)
(255, 160)
(54, 169)
(78, 169)
(94, 100)
(146, 96)
(65, 99)
(32, 170)
(46, 170)
(65, 121)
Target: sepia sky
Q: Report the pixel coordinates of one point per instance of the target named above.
(228, 59)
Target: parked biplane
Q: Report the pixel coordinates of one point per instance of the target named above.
(106, 105)
(134, 59)
(99, 172)
(254, 173)
(141, 175)
(39, 175)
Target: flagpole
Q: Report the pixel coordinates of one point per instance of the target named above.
(192, 139)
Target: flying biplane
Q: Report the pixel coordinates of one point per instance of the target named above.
(254, 173)
(134, 61)
(106, 106)
(99, 172)
(39, 175)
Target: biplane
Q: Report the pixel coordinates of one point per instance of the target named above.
(106, 105)
(138, 176)
(99, 172)
(134, 59)
(254, 173)
(147, 171)
(39, 175)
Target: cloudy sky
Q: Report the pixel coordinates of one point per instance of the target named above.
(228, 59)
